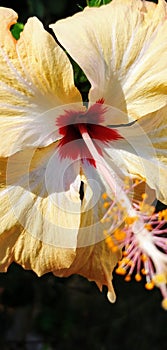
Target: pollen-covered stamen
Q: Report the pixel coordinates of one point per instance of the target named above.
(72, 144)
(144, 245)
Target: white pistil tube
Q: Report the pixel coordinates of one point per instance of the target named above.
(107, 173)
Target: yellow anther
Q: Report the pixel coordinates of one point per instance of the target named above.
(120, 271)
(144, 196)
(110, 243)
(162, 215)
(104, 196)
(124, 253)
(119, 235)
(126, 261)
(144, 258)
(108, 239)
(114, 249)
(149, 285)
(106, 204)
(160, 279)
(164, 304)
(128, 278)
(165, 214)
(148, 227)
(137, 181)
(144, 272)
(138, 277)
(131, 219)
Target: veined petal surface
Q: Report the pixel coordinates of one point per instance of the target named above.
(122, 52)
(143, 151)
(94, 260)
(40, 213)
(44, 224)
(35, 76)
(17, 245)
(43, 196)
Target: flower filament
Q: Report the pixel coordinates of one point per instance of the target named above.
(130, 225)
(143, 239)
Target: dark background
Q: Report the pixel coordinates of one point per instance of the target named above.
(46, 10)
(51, 313)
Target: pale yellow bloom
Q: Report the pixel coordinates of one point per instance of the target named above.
(123, 54)
(121, 47)
(40, 230)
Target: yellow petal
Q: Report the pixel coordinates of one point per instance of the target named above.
(35, 76)
(41, 196)
(32, 130)
(21, 247)
(34, 65)
(40, 257)
(46, 64)
(39, 210)
(143, 151)
(94, 259)
(120, 43)
(35, 219)
(95, 262)
(155, 126)
(8, 17)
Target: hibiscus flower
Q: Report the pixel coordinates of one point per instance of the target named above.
(61, 158)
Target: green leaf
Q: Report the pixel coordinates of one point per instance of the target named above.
(97, 3)
(16, 29)
(80, 80)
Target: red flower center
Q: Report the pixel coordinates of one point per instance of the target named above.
(72, 144)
